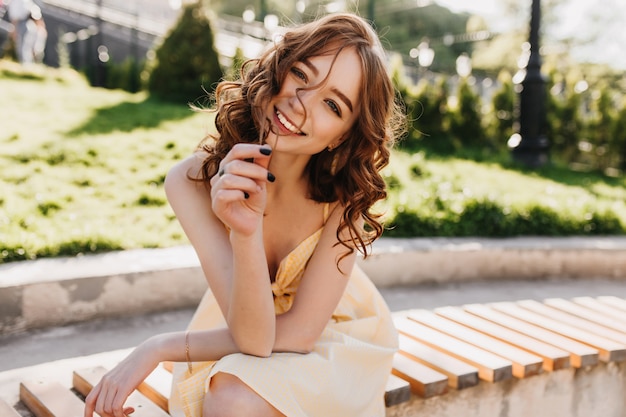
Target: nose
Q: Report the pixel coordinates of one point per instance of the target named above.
(298, 100)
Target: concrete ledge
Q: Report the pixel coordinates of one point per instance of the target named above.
(438, 260)
(49, 292)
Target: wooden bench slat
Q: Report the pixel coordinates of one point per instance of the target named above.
(168, 366)
(397, 391)
(85, 379)
(615, 302)
(157, 387)
(524, 364)
(491, 367)
(50, 399)
(578, 321)
(424, 381)
(553, 357)
(585, 312)
(581, 355)
(609, 350)
(6, 410)
(595, 310)
(460, 374)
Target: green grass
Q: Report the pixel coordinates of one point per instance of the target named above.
(82, 170)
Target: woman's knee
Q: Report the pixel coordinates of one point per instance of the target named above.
(229, 396)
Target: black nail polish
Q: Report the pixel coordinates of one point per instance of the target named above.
(266, 151)
(270, 177)
(246, 195)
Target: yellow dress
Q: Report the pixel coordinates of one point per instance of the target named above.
(344, 375)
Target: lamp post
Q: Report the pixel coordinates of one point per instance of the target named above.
(531, 146)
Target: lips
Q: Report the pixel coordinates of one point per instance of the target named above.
(287, 124)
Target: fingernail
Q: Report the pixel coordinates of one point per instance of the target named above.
(246, 195)
(266, 151)
(270, 177)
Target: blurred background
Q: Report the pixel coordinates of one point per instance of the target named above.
(517, 114)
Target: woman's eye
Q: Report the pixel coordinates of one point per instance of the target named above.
(295, 71)
(333, 106)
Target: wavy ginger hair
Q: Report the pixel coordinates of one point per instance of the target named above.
(350, 174)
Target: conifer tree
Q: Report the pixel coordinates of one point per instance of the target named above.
(186, 65)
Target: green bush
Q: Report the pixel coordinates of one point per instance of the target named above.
(466, 121)
(427, 112)
(487, 218)
(502, 114)
(125, 75)
(186, 63)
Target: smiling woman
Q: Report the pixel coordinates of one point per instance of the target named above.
(277, 204)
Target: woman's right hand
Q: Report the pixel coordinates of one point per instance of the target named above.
(238, 190)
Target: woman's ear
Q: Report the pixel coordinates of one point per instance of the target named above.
(336, 143)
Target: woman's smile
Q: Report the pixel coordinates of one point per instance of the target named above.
(286, 125)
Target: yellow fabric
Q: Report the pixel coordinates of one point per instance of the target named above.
(344, 375)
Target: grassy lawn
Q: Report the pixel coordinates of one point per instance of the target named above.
(82, 169)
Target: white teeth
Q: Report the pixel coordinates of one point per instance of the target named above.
(287, 123)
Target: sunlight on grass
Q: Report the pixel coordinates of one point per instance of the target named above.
(75, 175)
(82, 170)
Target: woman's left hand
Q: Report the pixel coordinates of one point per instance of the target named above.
(107, 398)
(238, 190)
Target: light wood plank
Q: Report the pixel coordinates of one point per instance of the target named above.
(613, 317)
(157, 387)
(609, 350)
(524, 364)
(85, 379)
(424, 381)
(615, 302)
(491, 367)
(6, 410)
(460, 374)
(168, 366)
(586, 313)
(581, 355)
(50, 399)
(397, 391)
(553, 357)
(574, 320)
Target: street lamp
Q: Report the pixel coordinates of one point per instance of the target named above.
(530, 146)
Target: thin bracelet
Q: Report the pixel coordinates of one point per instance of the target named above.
(189, 365)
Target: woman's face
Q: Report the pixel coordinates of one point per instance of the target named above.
(331, 106)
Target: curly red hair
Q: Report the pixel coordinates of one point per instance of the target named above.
(350, 174)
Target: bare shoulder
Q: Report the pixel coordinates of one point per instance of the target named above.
(183, 185)
(188, 168)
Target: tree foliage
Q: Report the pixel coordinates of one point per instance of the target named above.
(186, 62)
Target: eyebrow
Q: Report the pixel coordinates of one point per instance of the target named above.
(339, 94)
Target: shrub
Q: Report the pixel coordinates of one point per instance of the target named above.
(186, 62)
(465, 124)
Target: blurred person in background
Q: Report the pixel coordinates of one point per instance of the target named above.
(24, 33)
(41, 34)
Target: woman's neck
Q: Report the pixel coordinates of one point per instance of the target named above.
(290, 173)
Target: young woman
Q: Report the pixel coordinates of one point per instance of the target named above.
(277, 205)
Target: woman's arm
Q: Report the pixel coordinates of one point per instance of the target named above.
(319, 292)
(221, 253)
(233, 261)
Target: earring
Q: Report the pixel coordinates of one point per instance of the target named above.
(331, 147)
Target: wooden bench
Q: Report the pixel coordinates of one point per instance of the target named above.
(441, 351)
